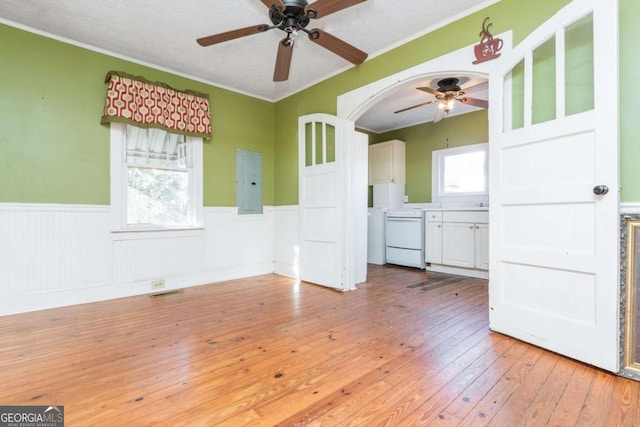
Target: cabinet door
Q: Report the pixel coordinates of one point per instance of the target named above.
(433, 242)
(387, 162)
(458, 244)
(380, 163)
(482, 246)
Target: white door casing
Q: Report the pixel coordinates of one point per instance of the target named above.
(351, 105)
(357, 171)
(554, 247)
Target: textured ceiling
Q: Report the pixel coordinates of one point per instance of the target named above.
(381, 117)
(162, 34)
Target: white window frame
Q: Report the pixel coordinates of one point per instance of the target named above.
(119, 186)
(479, 198)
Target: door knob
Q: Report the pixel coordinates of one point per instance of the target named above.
(600, 190)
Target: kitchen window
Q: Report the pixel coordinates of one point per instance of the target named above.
(461, 174)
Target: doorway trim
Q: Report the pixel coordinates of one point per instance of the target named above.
(351, 105)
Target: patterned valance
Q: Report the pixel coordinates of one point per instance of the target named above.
(136, 101)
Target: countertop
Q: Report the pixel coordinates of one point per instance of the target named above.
(459, 208)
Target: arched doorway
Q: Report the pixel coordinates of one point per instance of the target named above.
(353, 105)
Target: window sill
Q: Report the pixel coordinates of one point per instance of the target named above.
(156, 233)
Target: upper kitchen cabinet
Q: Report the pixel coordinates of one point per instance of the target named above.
(387, 162)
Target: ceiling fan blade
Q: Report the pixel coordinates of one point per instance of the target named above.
(415, 106)
(337, 46)
(230, 35)
(475, 102)
(327, 7)
(474, 87)
(429, 90)
(439, 115)
(276, 3)
(283, 60)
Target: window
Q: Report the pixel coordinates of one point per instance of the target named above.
(156, 179)
(461, 172)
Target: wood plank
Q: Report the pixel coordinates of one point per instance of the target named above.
(408, 347)
(570, 403)
(624, 404)
(595, 411)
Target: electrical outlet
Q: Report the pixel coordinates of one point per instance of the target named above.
(406, 198)
(157, 284)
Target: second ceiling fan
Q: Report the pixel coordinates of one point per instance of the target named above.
(447, 93)
(292, 16)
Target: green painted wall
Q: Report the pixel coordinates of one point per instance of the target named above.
(53, 148)
(629, 100)
(521, 17)
(421, 140)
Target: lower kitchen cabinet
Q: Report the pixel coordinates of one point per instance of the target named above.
(433, 242)
(481, 243)
(457, 242)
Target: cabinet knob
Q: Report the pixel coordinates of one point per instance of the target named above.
(471, 227)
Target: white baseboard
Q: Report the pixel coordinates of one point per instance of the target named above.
(468, 272)
(14, 304)
(287, 270)
(59, 255)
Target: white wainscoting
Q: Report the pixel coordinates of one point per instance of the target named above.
(58, 255)
(630, 208)
(286, 241)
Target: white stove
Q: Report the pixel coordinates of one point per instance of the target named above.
(405, 213)
(405, 237)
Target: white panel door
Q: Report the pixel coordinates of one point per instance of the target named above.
(322, 255)
(553, 141)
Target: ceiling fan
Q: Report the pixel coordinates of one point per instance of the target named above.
(292, 16)
(446, 95)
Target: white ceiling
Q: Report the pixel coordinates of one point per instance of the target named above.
(381, 117)
(162, 34)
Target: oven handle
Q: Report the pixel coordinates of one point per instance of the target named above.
(397, 218)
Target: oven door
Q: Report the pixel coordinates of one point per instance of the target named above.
(404, 233)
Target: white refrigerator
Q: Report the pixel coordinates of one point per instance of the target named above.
(376, 236)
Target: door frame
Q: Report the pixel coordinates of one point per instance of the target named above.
(353, 104)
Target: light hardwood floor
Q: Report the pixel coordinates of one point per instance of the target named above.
(408, 348)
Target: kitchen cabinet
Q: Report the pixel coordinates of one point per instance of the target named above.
(387, 162)
(433, 238)
(481, 236)
(457, 241)
(458, 244)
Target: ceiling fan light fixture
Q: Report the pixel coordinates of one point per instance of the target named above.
(292, 16)
(447, 104)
